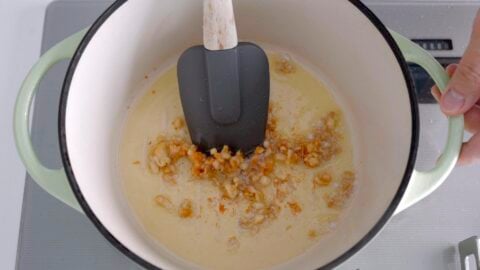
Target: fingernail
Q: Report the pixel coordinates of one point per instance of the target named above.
(435, 93)
(452, 101)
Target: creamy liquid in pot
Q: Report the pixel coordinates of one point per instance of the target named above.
(211, 235)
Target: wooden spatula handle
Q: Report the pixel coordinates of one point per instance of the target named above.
(219, 29)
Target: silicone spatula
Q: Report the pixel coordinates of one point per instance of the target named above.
(224, 85)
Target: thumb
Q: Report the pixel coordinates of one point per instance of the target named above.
(470, 151)
(463, 90)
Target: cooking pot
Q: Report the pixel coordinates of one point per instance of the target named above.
(341, 40)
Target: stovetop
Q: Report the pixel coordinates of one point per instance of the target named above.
(53, 236)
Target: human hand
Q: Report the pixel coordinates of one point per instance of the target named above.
(463, 95)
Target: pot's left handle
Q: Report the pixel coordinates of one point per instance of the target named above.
(423, 183)
(53, 181)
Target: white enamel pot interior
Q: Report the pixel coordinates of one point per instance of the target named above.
(340, 39)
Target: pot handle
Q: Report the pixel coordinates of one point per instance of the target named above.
(53, 181)
(424, 183)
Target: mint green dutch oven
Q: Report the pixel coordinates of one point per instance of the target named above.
(341, 39)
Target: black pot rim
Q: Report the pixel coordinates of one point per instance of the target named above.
(340, 259)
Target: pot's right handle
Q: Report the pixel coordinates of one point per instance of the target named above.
(423, 183)
(53, 181)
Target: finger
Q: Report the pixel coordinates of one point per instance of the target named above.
(472, 117)
(435, 90)
(470, 151)
(463, 90)
(451, 69)
(472, 120)
(436, 93)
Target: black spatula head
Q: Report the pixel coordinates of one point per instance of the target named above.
(225, 96)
